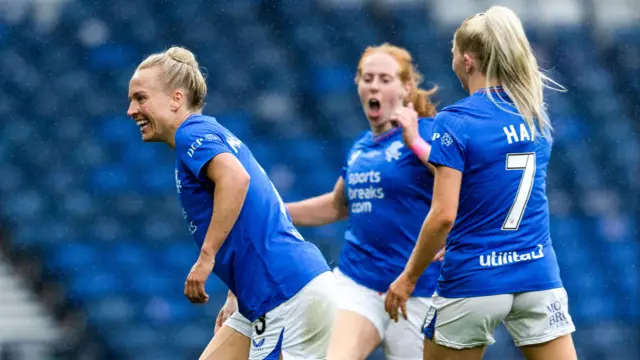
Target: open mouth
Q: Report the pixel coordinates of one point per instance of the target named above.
(143, 124)
(373, 106)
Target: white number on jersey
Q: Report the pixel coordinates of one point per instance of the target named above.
(283, 208)
(526, 162)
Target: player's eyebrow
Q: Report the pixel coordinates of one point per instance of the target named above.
(137, 93)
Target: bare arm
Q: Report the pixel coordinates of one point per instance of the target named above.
(232, 183)
(424, 156)
(321, 210)
(439, 221)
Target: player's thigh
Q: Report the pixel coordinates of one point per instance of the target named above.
(404, 340)
(361, 322)
(537, 319)
(354, 337)
(227, 343)
(300, 328)
(561, 348)
(433, 351)
(465, 323)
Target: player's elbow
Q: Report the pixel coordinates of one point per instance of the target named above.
(236, 182)
(444, 219)
(339, 207)
(243, 180)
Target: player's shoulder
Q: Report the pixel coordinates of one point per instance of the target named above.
(478, 105)
(425, 127)
(461, 109)
(196, 125)
(426, 120)
(362, 139)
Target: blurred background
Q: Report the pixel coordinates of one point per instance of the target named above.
(94, 248)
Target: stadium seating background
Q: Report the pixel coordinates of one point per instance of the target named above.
(96, 209)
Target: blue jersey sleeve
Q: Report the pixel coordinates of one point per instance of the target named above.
(448, 144)
(197, 143)
(425, 128)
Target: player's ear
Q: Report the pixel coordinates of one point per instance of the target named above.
(406, 91)
(468, 62)
(177, 100)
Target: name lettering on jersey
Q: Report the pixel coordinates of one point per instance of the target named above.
(393, 151)
(360, 197)
(233, 142)
(353, 157)
(506, 258)
(558, 315)
(178, 183)
(513, 135)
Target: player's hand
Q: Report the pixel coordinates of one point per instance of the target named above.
(194, 286)
(399, 292)
(406, 118)
(229, 307)
(439, 256)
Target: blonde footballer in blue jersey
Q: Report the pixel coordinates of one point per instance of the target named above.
(385, 191)
(280, 286)
(491, 152)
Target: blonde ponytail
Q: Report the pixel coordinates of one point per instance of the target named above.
(507, 58)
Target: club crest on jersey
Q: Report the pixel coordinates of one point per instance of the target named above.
(393, 151)
(353, 157)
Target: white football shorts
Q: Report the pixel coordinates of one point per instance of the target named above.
(400, 341)
(531, 318)
(299, 328)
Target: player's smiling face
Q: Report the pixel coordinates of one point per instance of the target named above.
(150, 105)
(380, 88)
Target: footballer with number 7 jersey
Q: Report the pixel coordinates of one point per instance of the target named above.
(491, 152)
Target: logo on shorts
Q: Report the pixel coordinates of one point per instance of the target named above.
(557, 311)
(510, 257)
(258, 343)
(260, 326)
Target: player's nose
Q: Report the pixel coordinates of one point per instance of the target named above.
(374, 86)
(132, 111)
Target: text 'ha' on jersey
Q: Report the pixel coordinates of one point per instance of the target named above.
(264, 260)
(500, 242)
(389, 194)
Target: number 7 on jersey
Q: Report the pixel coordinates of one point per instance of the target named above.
(527, 163)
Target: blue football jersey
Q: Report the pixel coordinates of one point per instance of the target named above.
(264, 260)
(500, 242)
(389, 194)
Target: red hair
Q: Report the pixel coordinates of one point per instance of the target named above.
(408, 74)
